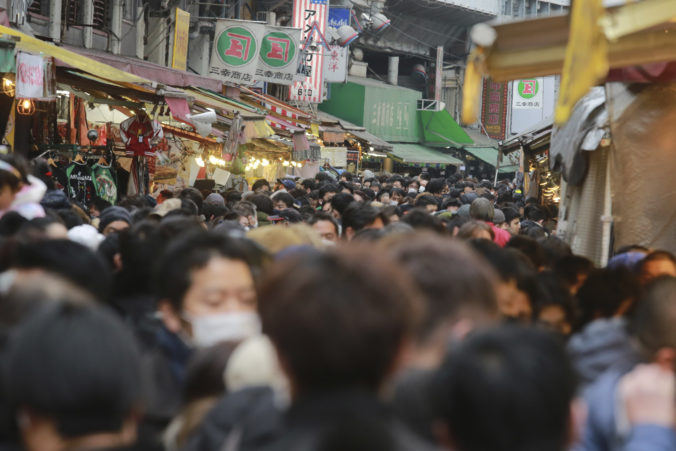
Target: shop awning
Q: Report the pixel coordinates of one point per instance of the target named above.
(372, 139)
(440, 127)
(356, 130)
(418, 155)
(532, 140)
(150, 71)
(490, 156)
(220, 103)
(582, 47)
(30, 44)
(7, 57)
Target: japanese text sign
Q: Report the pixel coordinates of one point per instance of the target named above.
(312, 17)
(246, 52)
(494, 109)
(30, 76)
(336, 60)
(181, 32)
(527, 94)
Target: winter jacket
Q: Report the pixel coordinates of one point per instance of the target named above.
(599, 346)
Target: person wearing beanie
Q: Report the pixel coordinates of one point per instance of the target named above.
(482, 210)
(114, 219)
(216, 199)
(55, 200)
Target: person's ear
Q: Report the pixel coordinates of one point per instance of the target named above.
(666, 358)
(170, 317)
(349, 233)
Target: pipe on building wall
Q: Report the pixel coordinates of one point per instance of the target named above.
(140, 33)
(116, 27)
(55, 20)
(393, 70)
(88, 18)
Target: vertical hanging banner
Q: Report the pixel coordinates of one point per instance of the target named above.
(312, 17)
(494, 109)
(30, 76)
(179, 58)
(279, 55)
(245, 52)
(336, 62)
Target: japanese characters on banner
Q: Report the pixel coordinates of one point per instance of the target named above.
(336, 61)
(494, 109)
(312, 17)
(527, 94)
(279, 55)
(246, 52)
(30, 76)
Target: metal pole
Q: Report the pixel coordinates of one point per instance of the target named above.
(439, 76)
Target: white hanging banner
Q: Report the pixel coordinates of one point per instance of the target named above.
(30, 76)
(312, 17)
(335, 64)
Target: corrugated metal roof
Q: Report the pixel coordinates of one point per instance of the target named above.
(419, 25)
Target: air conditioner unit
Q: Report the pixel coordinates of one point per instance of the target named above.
(269, 17)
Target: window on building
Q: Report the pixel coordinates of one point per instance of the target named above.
(71, 12)
(40, 7)
(130, 7)
(101, 14)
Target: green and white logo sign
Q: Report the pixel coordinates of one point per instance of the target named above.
(278, 49)
(246, 52)
(237, 46)
(527, 94)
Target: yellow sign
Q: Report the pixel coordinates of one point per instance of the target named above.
(586, 61)
(181, 31)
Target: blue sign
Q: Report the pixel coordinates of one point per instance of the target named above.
(339, 17)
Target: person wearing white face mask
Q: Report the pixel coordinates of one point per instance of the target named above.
(205, 295)
(207, 292)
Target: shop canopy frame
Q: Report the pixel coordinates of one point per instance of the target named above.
(418, 155)
(588, 47)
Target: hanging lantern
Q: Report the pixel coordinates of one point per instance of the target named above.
(25, 107)
(8, 87)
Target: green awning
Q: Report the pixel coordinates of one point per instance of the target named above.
(485, 154)
(506, 169)
(439, 127)
(418, 155)
(490, 156)
(7, 56)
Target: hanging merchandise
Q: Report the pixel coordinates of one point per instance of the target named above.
(80, 184)
(141, 134)
(234, 138)
(104, 183)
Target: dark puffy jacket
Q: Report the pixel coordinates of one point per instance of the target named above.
(247, 418)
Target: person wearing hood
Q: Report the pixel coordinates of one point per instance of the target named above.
(602, 340)
(19, 191)
(632, 407)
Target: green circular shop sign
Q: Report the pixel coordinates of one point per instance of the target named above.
(277, 49)
(528, 88)
(236, 46)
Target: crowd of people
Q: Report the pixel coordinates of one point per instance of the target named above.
(365, 313)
